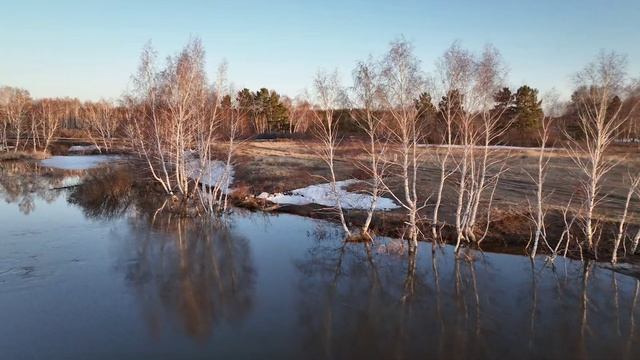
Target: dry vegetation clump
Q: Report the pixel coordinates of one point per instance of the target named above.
(24, 155)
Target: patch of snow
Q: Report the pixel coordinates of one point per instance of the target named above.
(491, 147)
(68, 181)
(322, 194)
(628, 141)
(77, 162)
(81, 148)
(213, 173)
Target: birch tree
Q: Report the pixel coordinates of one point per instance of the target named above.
(539, 212)
(150, 130)
(50, 115)
(329, 96)
(457, 68)
(14, 108)
(367, 115)
(489, 78)
(600, 120)
(634, 186)
(173, 102)
(104, 120)
(403, 82)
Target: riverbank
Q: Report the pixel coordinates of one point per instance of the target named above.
(272, 169)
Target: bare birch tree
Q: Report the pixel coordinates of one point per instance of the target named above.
(220, 125)
(539, 212)
(150, 130)
(600, 120)
(329, 96)
(457, 69)
(173, 101)
(490, 77)
(103, 122)
(367, 115)
(634, 186)
(184, 96)
(299, 112)
(14, 105)
(403, 82)
(636, 239)
(50, 118)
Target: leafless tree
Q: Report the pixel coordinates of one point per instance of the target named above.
(50, 114)
(14, 105)
(150, 131)
(103, 120)
(173, 102)
(457, 70)
(367, 115)
(329, 96)
(600, 121)
(539, 212)
(403, 82)
(34, 120)
(220, 125)
(184, 95)
(299, 112)
(468, 84)
(450, 112)
(490, 77)
(634, 187)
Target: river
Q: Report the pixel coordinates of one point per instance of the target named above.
(89, 273)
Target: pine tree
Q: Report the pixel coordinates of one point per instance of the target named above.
(527, 109)
(426, 110)
(452, 102)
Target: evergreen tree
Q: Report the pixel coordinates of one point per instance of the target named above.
(504, 107)
(426, 110)
(277, 113)
(527, 109)
(452, 103)
(264, 109)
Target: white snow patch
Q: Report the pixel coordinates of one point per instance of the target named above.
(490, 147)
(81, 148)
(322, 194)
(628, 141)
(213, 173)
(77, 162)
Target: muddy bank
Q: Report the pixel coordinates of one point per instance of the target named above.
(509, 231)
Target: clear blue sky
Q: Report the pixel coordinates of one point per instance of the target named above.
(88, 49)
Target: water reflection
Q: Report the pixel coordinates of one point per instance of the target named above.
(197, 273)
(357, 302)
(23, 183)
(109, 195)
(265, 286)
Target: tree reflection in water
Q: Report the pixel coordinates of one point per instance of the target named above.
(193, 271)
(109, 194)
(357, 301)
(354, 300)
(23, 182)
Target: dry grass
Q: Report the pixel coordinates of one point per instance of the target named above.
(23, 155)
(277, 166)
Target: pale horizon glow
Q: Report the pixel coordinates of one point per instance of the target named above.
(89, 50)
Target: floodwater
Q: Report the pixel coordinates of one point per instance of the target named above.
(88, 272)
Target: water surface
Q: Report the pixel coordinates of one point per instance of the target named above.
(88, 274)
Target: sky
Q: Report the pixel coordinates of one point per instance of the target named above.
(89, 49)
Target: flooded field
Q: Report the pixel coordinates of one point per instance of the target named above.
(85, 276)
